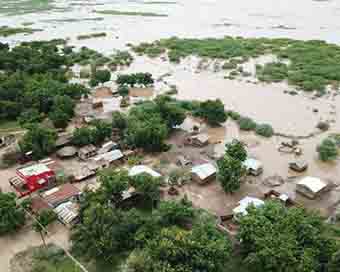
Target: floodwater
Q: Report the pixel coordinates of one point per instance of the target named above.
(265, 103)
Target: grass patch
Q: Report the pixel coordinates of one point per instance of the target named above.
(312, 65)
(6, 31)
(19, 7)
(130, 13)
(73, 20)
(9, 126)
(91, 36)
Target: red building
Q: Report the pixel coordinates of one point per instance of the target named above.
(32, 178)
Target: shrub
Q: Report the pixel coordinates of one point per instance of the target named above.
(328, 151)
(264, 130)
(234, 115)
(246, 123)
(324, 126)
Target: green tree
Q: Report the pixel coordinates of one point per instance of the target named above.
(45, 218)
(328, 151)
(105, 232)
(201, 249)
(212, 111)
(236, 149)
(175, 213)
(334, 264)
(123, 90)
(170, 111)
(12, 216)
(119, 120)
(59, 118)
(40, 140)
(113, 184)
(82, 136)
(148, 133)
(101, 76)
(29, 117)
(147, 185)
(230, 173)
(102, 131)
(275, 238)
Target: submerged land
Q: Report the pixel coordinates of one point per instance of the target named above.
(170, 87)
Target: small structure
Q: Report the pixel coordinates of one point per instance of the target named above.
(106, 159)
(97, 103)
(183, 161)
(311, 187)
(32, 178)
(203, 173)
(273, 181)
(7, 140)
(298, 166)
(87, 152)
(61, 194)
(141, 169)
(284, 198)
(199, 140)
(83, 173)
(63, 140)
(67, 213)
(67, 152)
(253, 167)
(241, 209)
(107, 147)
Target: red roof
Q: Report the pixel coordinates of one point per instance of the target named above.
(38, 204)
(60, 194)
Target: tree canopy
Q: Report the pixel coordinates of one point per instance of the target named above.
(212, 111)
(12, 216)
(274, 238)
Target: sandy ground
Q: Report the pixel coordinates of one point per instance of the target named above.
(27, 237)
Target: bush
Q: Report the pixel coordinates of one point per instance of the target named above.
(234, 115)
(264, 130)
(246, 123)
(324, 126)
(328, 151)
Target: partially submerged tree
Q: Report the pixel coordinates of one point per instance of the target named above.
(328, 150)
(236, 149)
(230, 173)
(212, 111)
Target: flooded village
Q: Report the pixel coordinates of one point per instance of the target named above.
(266, 112)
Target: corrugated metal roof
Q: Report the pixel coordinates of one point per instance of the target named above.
(110, 156)
(245, 203)
(204, 171)
(34, 170)
(253, 164)
(313, 184)
(140, 169)
(60, 194)
(67, 212)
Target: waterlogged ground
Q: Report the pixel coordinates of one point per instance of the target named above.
(138, 21)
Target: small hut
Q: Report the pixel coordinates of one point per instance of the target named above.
(67, 152)
(203, 173)
(87, 152)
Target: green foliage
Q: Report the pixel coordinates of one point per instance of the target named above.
(100, 76)
(82, 136)
(40, 140)
(45, 218)
(275, 238)
(106, 232)
(12, 216)
(272, 72)
(230, 173)
(334, 262)
(175, 213)
(246, 123)
(29, 117)
(144, 79)
(236, 150)
(6, 31)
(264, 130)
(121, 58)
(147, 185)
(233, 115)
(113, 184)
(212, 111)
(175, 249)
(119, 120)
(123, 90)
(328, 150)
(312, 64)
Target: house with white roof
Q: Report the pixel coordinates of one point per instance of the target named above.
(311, 187)
(203, 173)
(241, 209)
(141, 169)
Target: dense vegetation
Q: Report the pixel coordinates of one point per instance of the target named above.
(160, 240)
(274, 238)
(230, 166)
(311, 64)
(328, 150)
(12, 216)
